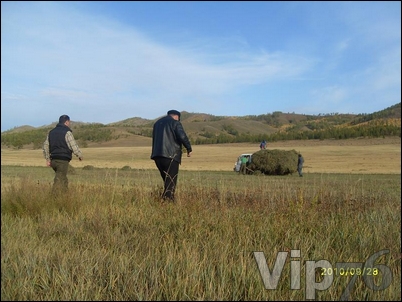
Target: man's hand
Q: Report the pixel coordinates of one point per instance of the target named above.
(48, 163)
(189, 154)
(80, 158)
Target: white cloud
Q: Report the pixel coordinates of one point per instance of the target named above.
(100, 69)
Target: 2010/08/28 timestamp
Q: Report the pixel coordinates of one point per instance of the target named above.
(349, 271)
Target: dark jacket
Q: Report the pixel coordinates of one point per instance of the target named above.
(58, 147)
(300, 161)
(168, 137)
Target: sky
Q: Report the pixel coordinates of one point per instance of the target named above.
(106, 61)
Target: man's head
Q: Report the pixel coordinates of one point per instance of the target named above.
(174, 113)
(63, 119)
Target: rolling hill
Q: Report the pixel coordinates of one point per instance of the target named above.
(203, 128)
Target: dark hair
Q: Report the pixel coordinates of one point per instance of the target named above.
(64, 118)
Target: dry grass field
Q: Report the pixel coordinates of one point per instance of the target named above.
(112, 239)
(377, 155)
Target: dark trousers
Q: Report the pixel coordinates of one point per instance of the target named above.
(60, 182)
(300, 170)
(243, 168)
(169, 170)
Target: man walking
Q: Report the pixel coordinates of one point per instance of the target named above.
(168, 137)
(58, 149)
(243, 166)
(300, 163)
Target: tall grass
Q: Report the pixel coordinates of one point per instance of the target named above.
(110, 237)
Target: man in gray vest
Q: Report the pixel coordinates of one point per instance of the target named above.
(58, 149)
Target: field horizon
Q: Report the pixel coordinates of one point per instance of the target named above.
(366, 156)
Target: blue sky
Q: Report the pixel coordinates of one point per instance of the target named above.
(108, 61)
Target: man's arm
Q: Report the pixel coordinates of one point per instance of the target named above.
(46, 152)
(72, 144)
(182, 136)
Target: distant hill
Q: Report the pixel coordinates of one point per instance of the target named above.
(204, 128)
(20, 129)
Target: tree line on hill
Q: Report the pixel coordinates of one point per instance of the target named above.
(380, 124)
(366, 131)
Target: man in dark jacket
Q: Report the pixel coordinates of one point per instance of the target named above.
(168, 137)
(58, 149)
(300, 163)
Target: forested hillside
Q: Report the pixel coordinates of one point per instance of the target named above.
(204, 128)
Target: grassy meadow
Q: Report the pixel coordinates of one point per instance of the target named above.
(110, 237)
